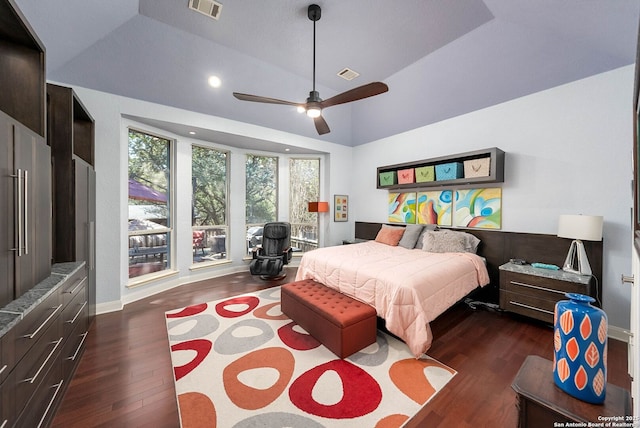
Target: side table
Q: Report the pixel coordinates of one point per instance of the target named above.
(542, 404)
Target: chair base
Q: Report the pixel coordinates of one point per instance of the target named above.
(274, 278)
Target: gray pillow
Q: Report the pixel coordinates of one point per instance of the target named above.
(445, 241)
(439, 242)
(425, 228)
(410, 236)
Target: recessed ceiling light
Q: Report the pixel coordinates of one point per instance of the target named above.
(215, 81)
(287, 150)
(192, 132)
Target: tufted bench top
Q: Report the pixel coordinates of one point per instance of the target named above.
(336, 307)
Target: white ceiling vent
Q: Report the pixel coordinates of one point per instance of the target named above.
(348, 74)
(210, 8)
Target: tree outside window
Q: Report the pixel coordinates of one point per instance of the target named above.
(304, 186)
(261, 196)
(209, 182)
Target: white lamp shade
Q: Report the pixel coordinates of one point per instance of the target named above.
(582, 227)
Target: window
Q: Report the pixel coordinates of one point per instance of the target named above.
(150, 214)
(304, 186)
(209, 204)
(261, 196)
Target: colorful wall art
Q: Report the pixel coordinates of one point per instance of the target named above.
(478, 208)
(434, 207)
(402, 207)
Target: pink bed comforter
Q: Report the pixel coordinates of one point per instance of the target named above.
(408, 288)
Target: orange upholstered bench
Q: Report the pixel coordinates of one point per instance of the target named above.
(339, 322)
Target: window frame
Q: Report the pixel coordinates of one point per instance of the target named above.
(171, 208)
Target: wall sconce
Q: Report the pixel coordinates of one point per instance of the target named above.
(318, 207)
(579, 228)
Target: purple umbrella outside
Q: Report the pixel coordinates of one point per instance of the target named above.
(144, 193)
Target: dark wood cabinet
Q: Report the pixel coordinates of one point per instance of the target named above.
(542, 404)
(41, 346)
(25, 159)
(26, 198)
(71, 137)
(534, 292)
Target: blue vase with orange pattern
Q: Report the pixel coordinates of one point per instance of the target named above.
(580, 348)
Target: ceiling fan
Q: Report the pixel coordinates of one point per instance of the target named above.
(314, 104)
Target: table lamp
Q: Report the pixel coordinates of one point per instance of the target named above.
(579, 228)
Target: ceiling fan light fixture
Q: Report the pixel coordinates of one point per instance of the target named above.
(314, 111)
(301, 109)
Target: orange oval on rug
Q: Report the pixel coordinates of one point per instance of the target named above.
(248, 397)
(196, 410)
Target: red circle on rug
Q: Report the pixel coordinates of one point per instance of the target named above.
(202, 348)
(251, 302)
(361, 393)
(189, 310)
(296, 340)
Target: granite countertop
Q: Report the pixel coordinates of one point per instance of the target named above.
(13, 312)
(547, 273)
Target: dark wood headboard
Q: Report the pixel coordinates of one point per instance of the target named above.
(497, 247)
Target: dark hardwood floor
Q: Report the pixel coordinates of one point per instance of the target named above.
(124, 378)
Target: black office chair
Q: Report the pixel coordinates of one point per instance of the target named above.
(275, 251)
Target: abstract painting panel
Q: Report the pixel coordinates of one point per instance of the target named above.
(402, 207)
(435, 207)
(478, 208)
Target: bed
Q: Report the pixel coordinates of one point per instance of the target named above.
(408, 287)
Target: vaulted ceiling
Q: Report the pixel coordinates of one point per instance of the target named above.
(439, 58)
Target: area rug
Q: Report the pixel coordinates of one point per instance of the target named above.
(239, 362)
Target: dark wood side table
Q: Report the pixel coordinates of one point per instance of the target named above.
(534, 292)
(542, 404)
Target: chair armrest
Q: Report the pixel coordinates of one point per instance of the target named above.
(286, 255)
(255, 251)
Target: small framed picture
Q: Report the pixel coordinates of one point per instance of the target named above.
(340, 208)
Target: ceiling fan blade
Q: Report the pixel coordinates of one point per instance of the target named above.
(321, 125)
(355, 94)
(259, 99)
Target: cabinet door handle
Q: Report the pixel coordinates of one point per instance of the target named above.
(44, 363)
(75, 354)
(537, 287)
(4, 423)
(78, 284)
(58, 387)
(3, 369)
(530, 307)
(71, 321)
(32, 335)
(626, 279)
(19, 209)
(25, 225)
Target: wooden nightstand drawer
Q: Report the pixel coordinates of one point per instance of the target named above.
(534, 292)
(528, 305)
(548, 288)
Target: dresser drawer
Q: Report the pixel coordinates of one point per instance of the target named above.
(40, 410)
(528, 305)
(72, 350)
(7, 403)
(542, 287)
(73, 286)
(35, 323)
(42, 357)
(76, 312)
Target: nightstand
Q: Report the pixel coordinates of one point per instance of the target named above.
(542, 404)
(353, 241)
(533, 292)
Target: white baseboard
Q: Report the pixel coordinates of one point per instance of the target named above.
(619, 333)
